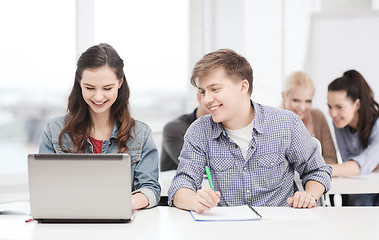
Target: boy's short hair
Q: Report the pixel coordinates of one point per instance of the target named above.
(234, 65)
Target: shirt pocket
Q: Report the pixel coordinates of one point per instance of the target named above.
(221, 164)
(271, 169)
(67, 145)
(135, 154)
(224, 175)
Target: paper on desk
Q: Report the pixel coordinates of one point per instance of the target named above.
(287, 214)
(372, 175)
(239, 213)
(368, 176)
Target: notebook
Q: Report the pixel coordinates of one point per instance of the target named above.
(80, 187)
(237, 213)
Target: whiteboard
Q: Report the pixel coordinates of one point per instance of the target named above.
(340, 42)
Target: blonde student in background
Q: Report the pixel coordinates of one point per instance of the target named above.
(252, 150)
(98, 120)
(298, 91)
(355, 115)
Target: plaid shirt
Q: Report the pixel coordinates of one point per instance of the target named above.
(279, 145)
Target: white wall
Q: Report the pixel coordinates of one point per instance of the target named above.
(341, 42)
(271, 34)
(282, 36)
(277, 38)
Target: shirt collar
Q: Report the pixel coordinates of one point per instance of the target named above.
(114, 131)
(217, 129)
(258, 117)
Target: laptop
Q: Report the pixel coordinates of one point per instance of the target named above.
(80, 188)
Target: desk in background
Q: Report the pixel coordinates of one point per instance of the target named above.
(368, 184)
(171, 223)
(356, 184)
(165, 179)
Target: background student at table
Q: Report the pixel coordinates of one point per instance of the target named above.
(355, 119)
(252, 150)
(173, 134)
(98, 120)
(298, 91)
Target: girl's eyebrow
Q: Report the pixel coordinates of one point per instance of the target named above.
(108, 85)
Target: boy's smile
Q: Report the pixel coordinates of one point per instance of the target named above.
(214, 108)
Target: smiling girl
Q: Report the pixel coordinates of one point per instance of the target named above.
(297, 97)
(98, 120)
(355, 118)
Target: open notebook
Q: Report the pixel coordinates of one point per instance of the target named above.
(238, 213)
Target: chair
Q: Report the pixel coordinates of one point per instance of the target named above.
(324, 200)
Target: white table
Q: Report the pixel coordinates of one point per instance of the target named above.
(356, 184)
(171, 223)
(353, 185)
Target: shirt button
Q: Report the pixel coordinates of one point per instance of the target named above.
(272, 164)
(110, 143)
(244, 168)
(252, 147)
(236, 146)
(219, 168)
(248, 191)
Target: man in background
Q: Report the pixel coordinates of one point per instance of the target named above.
(173, 133)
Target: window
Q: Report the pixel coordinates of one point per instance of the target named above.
(39, 60)
(38, 63)
(152, 38)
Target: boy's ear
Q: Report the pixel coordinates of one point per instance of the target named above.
(198, 97)
(244, 86)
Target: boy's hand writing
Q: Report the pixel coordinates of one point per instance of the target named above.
(206, 199)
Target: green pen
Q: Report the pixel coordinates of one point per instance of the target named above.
(208, 172)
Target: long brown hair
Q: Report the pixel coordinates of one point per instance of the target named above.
(356, 87)
(78, 120)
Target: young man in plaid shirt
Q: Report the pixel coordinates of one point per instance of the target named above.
(252, 150)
